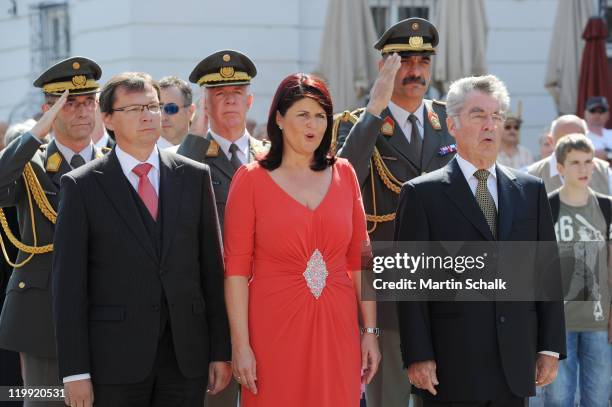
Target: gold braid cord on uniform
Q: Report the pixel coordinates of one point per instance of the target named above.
(377, 162)
(33, 189)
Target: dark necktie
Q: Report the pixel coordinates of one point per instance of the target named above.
(76, 161)
(485, 200)
(233, 149)
(416, 142)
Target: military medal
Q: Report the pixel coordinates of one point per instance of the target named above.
(446, 150)
(434, 120)
(54, 162)
(388, 126)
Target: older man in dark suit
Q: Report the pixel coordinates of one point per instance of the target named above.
(138, 272)
(478, 353)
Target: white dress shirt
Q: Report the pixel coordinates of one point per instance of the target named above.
(163, 144)
(103, 142)
(401, 117)
(242, 143)
(86, 153)
(468, 169)
(128, 163)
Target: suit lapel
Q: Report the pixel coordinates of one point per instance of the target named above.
(64, 166)
(431, 139)
(507, 196)
(171, 190)
(399, 141)
(221, 161)
(115, 186)
(460, 194)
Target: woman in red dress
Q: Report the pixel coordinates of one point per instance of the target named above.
(294, 232)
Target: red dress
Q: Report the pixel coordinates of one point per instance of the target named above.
(303, 323)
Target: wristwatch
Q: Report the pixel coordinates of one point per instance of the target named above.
(375, 331)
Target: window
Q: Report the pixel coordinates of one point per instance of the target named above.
(50, 34)
(389, 12)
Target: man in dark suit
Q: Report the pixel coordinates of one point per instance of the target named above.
(225, 77)
(478, 353)
(398, 136)
(30, 173)
(138, 269)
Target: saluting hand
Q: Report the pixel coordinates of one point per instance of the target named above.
(43, 126)
(381, 92)
(199, 124)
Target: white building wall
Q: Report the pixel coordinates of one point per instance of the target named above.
(281, 36)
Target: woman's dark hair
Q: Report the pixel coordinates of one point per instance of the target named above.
(293, 88)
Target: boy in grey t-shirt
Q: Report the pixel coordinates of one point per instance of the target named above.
(583, 236)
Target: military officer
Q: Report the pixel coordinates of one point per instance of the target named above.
(30, 173)
(225, 77)
(398, 136)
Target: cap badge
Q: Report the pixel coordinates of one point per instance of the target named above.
(415, 26)
(79, 81)
(416, 41)
(76, 65)
(227, 72)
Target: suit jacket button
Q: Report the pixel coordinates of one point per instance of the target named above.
(502, 319)
(22, 285)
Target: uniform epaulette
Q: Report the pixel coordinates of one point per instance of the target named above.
(439, 102)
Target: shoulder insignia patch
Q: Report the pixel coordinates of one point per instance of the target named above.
(213, 149)
(54, 162)
(434, 120)
(388, 126)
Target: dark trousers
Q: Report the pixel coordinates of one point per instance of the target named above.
(164, 387)
(506, 401)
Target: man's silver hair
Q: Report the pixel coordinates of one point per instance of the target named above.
(565, 119)
(487, 84)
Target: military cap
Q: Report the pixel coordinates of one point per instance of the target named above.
(223, 68)
(77, 74)
(409, 37)
(597, 101)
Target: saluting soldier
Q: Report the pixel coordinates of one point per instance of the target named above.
(30, 173)
(225, 77)
(398, 136)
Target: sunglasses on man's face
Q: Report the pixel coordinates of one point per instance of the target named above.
(172, 108)
(512, 126)
(599, 110)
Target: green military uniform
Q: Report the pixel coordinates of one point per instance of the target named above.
(222, 68)
(207, 151)
(30, 174)
(384, 158)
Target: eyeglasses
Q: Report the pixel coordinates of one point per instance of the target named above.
(138, 109)
(512, 126)
(599, 110)
(172, 108)
(480, 118)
